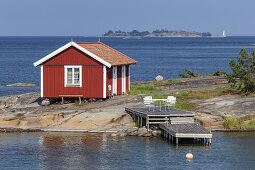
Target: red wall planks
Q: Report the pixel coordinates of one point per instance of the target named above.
(119, 80)
(108, 79)
(53, 75)
(92, 76)
(72, 56)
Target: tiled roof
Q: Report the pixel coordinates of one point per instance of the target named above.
(107, 53)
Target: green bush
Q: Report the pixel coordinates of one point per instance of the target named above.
(231, 122)
(250, 125)
(189, 74)
(243, 72)
(219, 73)
(240, 123)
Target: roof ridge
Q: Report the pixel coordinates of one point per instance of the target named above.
(116, 51)
(86, 42)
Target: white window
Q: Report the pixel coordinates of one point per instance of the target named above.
(73, 76)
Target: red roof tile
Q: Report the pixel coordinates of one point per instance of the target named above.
(107, 53)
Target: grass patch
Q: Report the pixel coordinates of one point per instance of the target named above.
(231, 122)
(142, 89)
(174, 80)
(182, 105)
(78, 104)
(183, 99)
(250, 125)
(245, 122)
(203, 94)
(155, 96)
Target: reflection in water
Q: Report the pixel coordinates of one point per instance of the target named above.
(71, 151)
(100, 151)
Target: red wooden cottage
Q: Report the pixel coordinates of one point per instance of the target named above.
(87, 70)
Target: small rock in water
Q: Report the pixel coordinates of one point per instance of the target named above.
(154, 133)
(159, 78)
(142, 131)
(113, 134)
(21, 85)
(122, 134)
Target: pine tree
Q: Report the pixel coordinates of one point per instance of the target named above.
(243, 72)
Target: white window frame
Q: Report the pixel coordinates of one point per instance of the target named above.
(73, 67)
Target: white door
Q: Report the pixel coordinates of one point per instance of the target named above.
(114, 80)
(123, 79)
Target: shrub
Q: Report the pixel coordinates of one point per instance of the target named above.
(189, 74)
(243, 76)
(219, 73)
(231, 122)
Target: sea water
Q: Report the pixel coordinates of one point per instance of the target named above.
(100, 151)
(154, 56)
(164, 56)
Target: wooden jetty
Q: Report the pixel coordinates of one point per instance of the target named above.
(176, 132)
(160, 115)
(175, 124)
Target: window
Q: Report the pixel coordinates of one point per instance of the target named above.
(73, 76)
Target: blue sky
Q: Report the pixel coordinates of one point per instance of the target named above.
(94, 17)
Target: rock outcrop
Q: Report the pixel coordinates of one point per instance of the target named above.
(227, 106)
(143, 132)
(159, 78)
(21, 85)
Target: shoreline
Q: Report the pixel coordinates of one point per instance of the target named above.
(23, 113)
(20, 130)
(162, 36)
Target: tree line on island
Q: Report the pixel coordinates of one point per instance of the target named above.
(157, 33)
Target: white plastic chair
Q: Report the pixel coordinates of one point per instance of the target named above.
(171, 100)
(147, 101)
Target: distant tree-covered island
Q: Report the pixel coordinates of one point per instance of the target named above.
(156, 33)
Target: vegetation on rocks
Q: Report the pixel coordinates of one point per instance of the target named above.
(243, 72)
(156, 33)
(184, 99)
(142, 89)
(246, 122)
(174, 80)
(189, 74)
(79, 104)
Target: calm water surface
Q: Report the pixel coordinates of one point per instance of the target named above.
(98, 151)
(165, 56)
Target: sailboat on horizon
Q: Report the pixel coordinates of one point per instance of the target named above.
(224, 34)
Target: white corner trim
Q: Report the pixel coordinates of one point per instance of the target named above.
(52, 54)
(41, 81)
(91, 54)
(123, 72)
(104, 82)
(42, 60)
(65, 72)
(114, 80)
